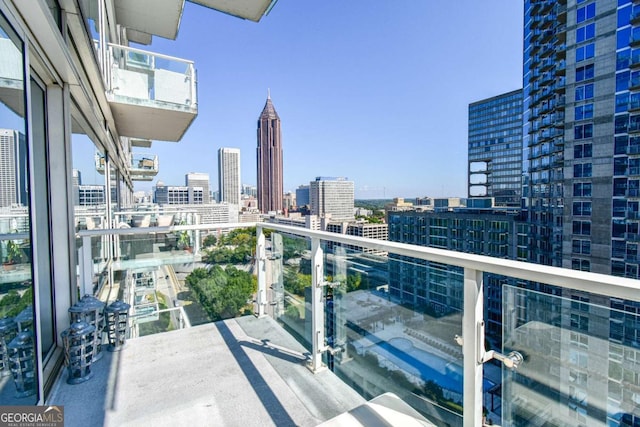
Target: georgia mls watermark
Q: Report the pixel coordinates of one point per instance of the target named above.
(31, 416)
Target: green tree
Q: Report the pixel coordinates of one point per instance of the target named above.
(354, 281)
(295, 282)
(433, 391)
(292, 312)
(223, 293)
(210, 240)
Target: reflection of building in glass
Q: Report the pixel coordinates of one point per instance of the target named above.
(359, 229)
(196, 191)
(437, 287)
(568, 346)
(13, 168)
(90, 195)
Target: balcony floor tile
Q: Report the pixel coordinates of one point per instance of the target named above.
(239, 372)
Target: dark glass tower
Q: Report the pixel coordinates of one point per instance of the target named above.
(495, 149)
(269, 160)
(545, 68)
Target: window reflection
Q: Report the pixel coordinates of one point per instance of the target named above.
(18, 378)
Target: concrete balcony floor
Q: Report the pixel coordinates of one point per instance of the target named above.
(239, 372)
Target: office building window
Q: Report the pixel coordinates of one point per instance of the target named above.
(583, 131)
(582, 228)
(582, 189)
(585, 73)
(584, 92)
(583, 112)
(585, 33)
(579, 321)
(622, 102)
(582, 208)
(582, 170)
(623, 59)
(582, 150)
(621, 123)
(581, 246)
(585, 12)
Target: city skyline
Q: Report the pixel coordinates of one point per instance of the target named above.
(346, 91)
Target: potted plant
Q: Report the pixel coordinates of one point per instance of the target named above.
(184, 241)
(14, 255)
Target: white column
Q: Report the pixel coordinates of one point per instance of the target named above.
(86, 267)
(317, 305)
(472, 347)
(260, 271)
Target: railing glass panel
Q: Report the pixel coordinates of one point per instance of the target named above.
(581, 360)
(145, 76)
(288, 275)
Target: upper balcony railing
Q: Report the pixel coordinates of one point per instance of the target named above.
(152, 96)
(414, 322)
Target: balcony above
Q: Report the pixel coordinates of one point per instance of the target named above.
(137, 142)
(11, 80)
(152, 96)
(150, 17)
(144, 167)
(246, 9)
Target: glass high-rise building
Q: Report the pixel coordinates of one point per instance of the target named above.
(269, 160)
(229, 184)
(495, 149)
(581, 97)
(545, 102)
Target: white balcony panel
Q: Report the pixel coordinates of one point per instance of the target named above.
(131, 84)
(172, 87)
(160, 18)
(247, 9)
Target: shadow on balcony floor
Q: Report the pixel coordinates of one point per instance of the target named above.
(239, 372)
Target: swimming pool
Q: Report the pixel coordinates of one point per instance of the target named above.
(422, 364)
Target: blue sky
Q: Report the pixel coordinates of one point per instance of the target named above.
(375, 91)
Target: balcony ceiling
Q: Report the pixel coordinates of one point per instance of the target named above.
(147, 122)
(247, 9)
(160, 18)
(137, 142)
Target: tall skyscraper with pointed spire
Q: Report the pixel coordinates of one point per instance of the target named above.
(269, 160)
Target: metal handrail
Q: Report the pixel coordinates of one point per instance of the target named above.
(603, 284)
(146, 52)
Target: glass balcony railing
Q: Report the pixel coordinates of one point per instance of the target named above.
(581, 361)
(387, 316)
(147, 76)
